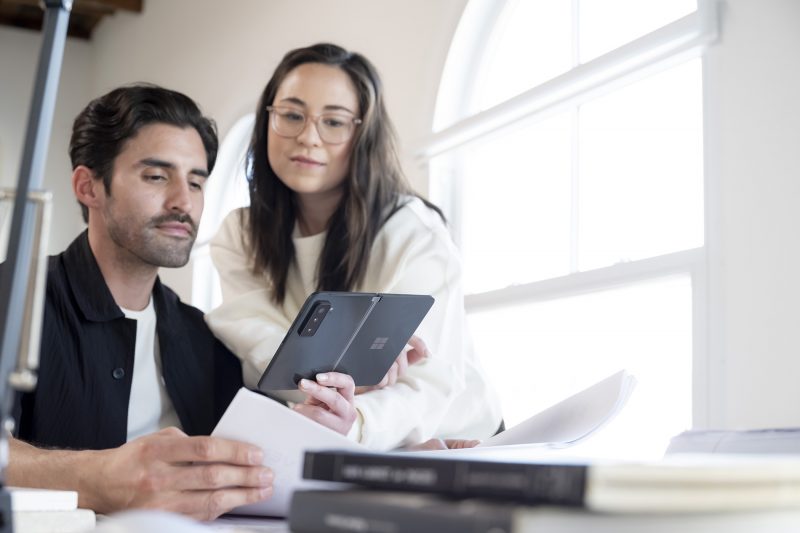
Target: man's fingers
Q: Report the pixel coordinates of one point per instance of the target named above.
(198, 476)
(208, 505)
(213, 476)
(203, 449)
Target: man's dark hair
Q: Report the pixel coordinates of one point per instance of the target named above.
(101, 130)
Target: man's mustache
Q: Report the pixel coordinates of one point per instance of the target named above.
(174, 217)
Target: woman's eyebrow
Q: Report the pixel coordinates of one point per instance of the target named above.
(330, 107)
(293, 100)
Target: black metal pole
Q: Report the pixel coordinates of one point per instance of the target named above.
(15, 275)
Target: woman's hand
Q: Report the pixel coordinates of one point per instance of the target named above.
(329, 401)
(444, 444)
(414, 352)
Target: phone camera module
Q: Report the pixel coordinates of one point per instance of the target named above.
(314, 319)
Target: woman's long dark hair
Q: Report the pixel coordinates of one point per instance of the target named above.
(373, 187)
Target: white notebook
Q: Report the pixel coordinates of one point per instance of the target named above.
(72, 521)
(29, 499)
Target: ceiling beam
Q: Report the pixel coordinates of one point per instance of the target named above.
(134, 6)
(88, 6)
(86, 14)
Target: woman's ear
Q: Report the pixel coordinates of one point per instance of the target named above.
(86, 187)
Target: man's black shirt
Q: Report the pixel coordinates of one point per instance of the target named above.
(87, 353)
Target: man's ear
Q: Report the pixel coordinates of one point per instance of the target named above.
(87, 187)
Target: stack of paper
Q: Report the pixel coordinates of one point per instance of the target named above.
(48, 511)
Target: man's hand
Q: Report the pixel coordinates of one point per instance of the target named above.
(414, 352)
(329, 401)
(202, 477)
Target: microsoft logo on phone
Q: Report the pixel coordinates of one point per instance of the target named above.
(379, 343)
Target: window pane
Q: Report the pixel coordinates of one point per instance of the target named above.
(608, 24)
(640, 168)
(530, 44)
(537, 354)
(516, 206)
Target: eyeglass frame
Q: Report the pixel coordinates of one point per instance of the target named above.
(306, 116)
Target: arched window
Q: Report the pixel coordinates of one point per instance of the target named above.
(568, 155)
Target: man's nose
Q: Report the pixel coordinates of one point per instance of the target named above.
(180, 198)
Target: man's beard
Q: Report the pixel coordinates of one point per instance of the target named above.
(149, 245)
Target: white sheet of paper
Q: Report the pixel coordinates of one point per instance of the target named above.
(573, 419)
(284, 436)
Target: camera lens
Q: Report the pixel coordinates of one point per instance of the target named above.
(315, 318)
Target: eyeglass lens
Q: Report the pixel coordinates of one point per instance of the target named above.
(333, 128)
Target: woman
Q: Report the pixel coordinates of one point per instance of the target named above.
(331, 210)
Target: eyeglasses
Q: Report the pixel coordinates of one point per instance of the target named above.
(333, 128)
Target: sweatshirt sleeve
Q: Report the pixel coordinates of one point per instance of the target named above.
(248, 322)
(415, 255)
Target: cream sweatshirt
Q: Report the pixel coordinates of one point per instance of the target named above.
(446, 395)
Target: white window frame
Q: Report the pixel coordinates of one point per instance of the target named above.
(684, 39)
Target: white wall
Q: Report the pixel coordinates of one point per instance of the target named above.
(19, 55)
(753, 157)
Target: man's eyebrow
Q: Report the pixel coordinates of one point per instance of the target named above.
(333, 107)
(160, 163)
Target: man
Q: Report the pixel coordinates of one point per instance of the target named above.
(123, 360)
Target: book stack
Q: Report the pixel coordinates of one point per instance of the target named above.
(415, 492)
(48, 511)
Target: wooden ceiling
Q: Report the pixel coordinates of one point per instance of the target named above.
(84, 16)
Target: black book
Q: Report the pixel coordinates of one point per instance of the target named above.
(313, 511)
(321, 511)
(675, 484)
(561, 484)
